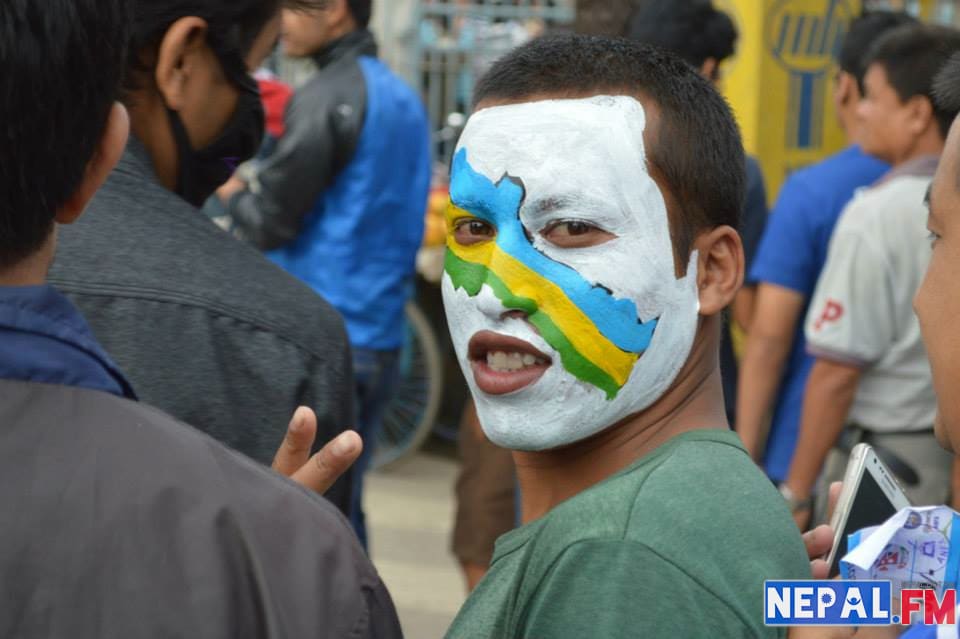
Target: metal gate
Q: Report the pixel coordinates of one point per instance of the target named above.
(457, 40)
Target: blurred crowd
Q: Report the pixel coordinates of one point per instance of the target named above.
(180, 229)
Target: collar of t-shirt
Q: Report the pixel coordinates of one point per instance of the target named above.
(922, 166)
(43, 338)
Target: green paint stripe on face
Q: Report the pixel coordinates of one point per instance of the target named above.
(471, 277)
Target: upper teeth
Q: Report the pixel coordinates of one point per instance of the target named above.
(505, 362)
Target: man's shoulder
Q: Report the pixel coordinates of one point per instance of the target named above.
(702, 497)
(384, 78)
(676, 483)
(684, 484)
(95, 415)
(709, 505)
(145, 457)
(331, 85)
(898, 199)
(161, 249)
(700, 523)
(849, 164)
(836, 176)
(218, 538)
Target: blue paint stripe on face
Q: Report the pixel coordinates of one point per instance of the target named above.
(500, 205)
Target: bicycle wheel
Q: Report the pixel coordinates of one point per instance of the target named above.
(410, 416)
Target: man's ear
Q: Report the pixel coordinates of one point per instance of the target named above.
(104, 159)
(921, 116)
(177, 56)
(339, 14)
(709, 69)
(720, 268)
(846, 93)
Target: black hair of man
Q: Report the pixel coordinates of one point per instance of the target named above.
(603, 17)
(693, 29)
(912, 55)
(863, 33)
(946, 89)
(946, 86)
(360, 10)
(232, 25)
(696, 151)
(61, 63)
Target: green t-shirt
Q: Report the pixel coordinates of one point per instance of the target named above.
(677, 546)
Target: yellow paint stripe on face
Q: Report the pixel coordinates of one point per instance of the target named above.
(575, 325)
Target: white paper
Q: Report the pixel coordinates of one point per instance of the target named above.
(911, 549)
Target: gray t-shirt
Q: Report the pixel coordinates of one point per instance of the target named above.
(205, 327)
(862, 312)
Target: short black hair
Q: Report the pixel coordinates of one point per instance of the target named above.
(912, 55)
(693, 29)
(863, 33)
(360, 10)
(946, 89)
(603, 17)
(697, 149)
(946, 86)
(61, 63)
(232, 24)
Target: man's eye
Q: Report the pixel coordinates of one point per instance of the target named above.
(575, 228)
(472, 231)
(575, 234)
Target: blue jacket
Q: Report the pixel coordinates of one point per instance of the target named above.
(341, 201)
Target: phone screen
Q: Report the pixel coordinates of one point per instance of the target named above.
(871, 507)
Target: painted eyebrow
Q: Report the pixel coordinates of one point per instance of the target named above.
(550, 204)
(571, 201)
(926, 196)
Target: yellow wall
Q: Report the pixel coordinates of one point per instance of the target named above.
(780, 83)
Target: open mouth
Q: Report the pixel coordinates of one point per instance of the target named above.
(504, 364)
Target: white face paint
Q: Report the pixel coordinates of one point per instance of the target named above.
(583, 161)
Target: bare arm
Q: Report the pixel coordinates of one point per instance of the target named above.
(776, 313)
(826, 403)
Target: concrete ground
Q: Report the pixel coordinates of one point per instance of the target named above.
(409, 512)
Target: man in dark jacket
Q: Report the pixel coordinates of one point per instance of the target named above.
(206, 328)
(341, 201)
(118, 521)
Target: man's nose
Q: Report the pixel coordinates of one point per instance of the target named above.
(490, 305)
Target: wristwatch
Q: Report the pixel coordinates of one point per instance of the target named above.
(796, 504)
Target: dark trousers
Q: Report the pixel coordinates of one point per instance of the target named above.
(376, 374)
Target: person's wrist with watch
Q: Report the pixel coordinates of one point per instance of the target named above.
(800, 504)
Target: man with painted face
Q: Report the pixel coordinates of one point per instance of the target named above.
(591, 250)
(205, 327)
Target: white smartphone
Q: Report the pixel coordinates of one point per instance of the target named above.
(870, 496)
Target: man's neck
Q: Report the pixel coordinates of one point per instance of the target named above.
(31, 271)
(850, 125)
(693, 402)
(923, 146)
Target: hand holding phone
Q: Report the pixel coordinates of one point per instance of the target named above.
(869, 497)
